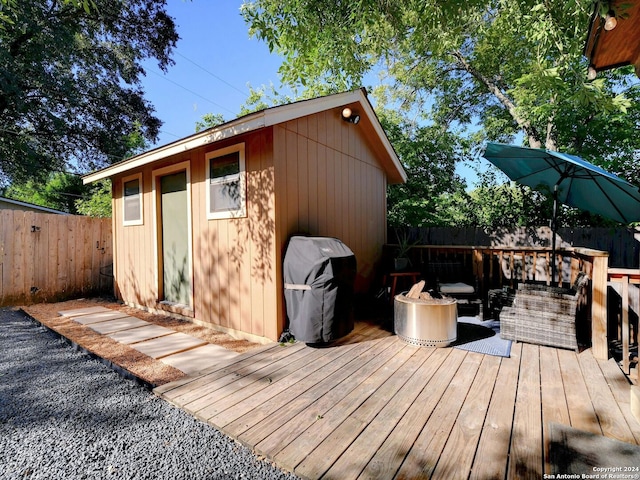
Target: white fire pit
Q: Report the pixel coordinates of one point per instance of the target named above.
(426, 322)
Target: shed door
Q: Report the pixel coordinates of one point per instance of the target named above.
(175, 238)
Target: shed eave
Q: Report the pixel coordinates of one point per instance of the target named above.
(265, 118)
(252, 122)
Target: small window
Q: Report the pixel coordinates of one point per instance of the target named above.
(226, 193)
(132, 200)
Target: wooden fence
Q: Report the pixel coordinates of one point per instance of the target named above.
(47, 257)
(622, 244)
(623, 321)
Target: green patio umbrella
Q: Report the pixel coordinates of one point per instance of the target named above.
(573, 182)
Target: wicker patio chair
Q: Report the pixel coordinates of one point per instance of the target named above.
(545, 315)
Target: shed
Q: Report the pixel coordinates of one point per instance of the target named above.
(201, 224)
(11, 204)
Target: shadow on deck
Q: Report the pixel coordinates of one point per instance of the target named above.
(371, 406)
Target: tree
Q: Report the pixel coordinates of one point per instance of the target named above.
(209, 120)
(433, 189)
(65, 191)
(70, 76)
(58, 191)
(97, 200)
(266, 97)
(495, 68)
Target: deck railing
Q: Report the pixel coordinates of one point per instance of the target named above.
(500, 266)
(626, 283)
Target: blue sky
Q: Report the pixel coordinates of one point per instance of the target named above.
(215, 60)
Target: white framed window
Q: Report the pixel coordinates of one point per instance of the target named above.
(226, 187)
(132, 200)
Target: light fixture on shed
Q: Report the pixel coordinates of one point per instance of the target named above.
(349, 116)
(610, 21)
(591, 73)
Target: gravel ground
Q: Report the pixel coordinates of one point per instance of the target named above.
(66, 416)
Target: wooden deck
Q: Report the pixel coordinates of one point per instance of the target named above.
(372, 406)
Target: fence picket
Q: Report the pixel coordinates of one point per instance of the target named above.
(46, 257)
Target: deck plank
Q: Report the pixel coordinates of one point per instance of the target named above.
(296, 384)
(294, 424)
(231, 393)
(209, 383)
(165, 389)
(493, 448)
(380, 414)
(525, 460)
(581, 412)
(612, 421)
(388, 455)
(371, 406)
(263, 421)
(374, 398)
(426, 450)
(172, 391)
(459, 452)
(621, 388)
(336, 403)
(436, 374)
(554, 402)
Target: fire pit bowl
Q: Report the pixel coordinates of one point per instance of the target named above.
(426, 322)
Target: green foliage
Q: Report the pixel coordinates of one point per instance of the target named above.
(98, 200)
(58, 191)
(433, 188)
(465, 72)
(209, 120)
(263, 98)
(70, 76)
(66, 192)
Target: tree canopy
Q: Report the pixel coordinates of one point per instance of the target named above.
(475, 70)
(70, 81)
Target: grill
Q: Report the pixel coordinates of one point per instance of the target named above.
(319, 275)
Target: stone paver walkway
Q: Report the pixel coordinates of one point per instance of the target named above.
(184, 352)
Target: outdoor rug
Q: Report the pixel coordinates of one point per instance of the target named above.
(475, 335)
(586, 455)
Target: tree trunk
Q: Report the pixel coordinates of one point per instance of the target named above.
(529, 130)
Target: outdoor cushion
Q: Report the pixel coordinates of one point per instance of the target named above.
(456, 288)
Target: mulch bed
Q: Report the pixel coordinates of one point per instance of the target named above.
(147, 369)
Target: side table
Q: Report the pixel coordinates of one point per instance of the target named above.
(394, 276)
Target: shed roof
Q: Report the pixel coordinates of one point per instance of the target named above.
(11, 204)
(265, 118)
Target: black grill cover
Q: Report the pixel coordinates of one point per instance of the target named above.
(319, 275)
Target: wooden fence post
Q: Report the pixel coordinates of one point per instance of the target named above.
(599, 342)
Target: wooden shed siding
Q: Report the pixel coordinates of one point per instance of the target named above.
(233, 259)
(317, 175)
(329, 183)
(134, 255)
(234, 276)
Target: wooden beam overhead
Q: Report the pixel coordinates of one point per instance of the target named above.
(612, 48)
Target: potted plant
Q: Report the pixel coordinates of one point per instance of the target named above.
(401, 260)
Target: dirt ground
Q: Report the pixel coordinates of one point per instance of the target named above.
(142, 366)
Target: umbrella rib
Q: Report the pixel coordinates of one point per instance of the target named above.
(589, 175)
(551, 165)
(622, 215)
(540, 169)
